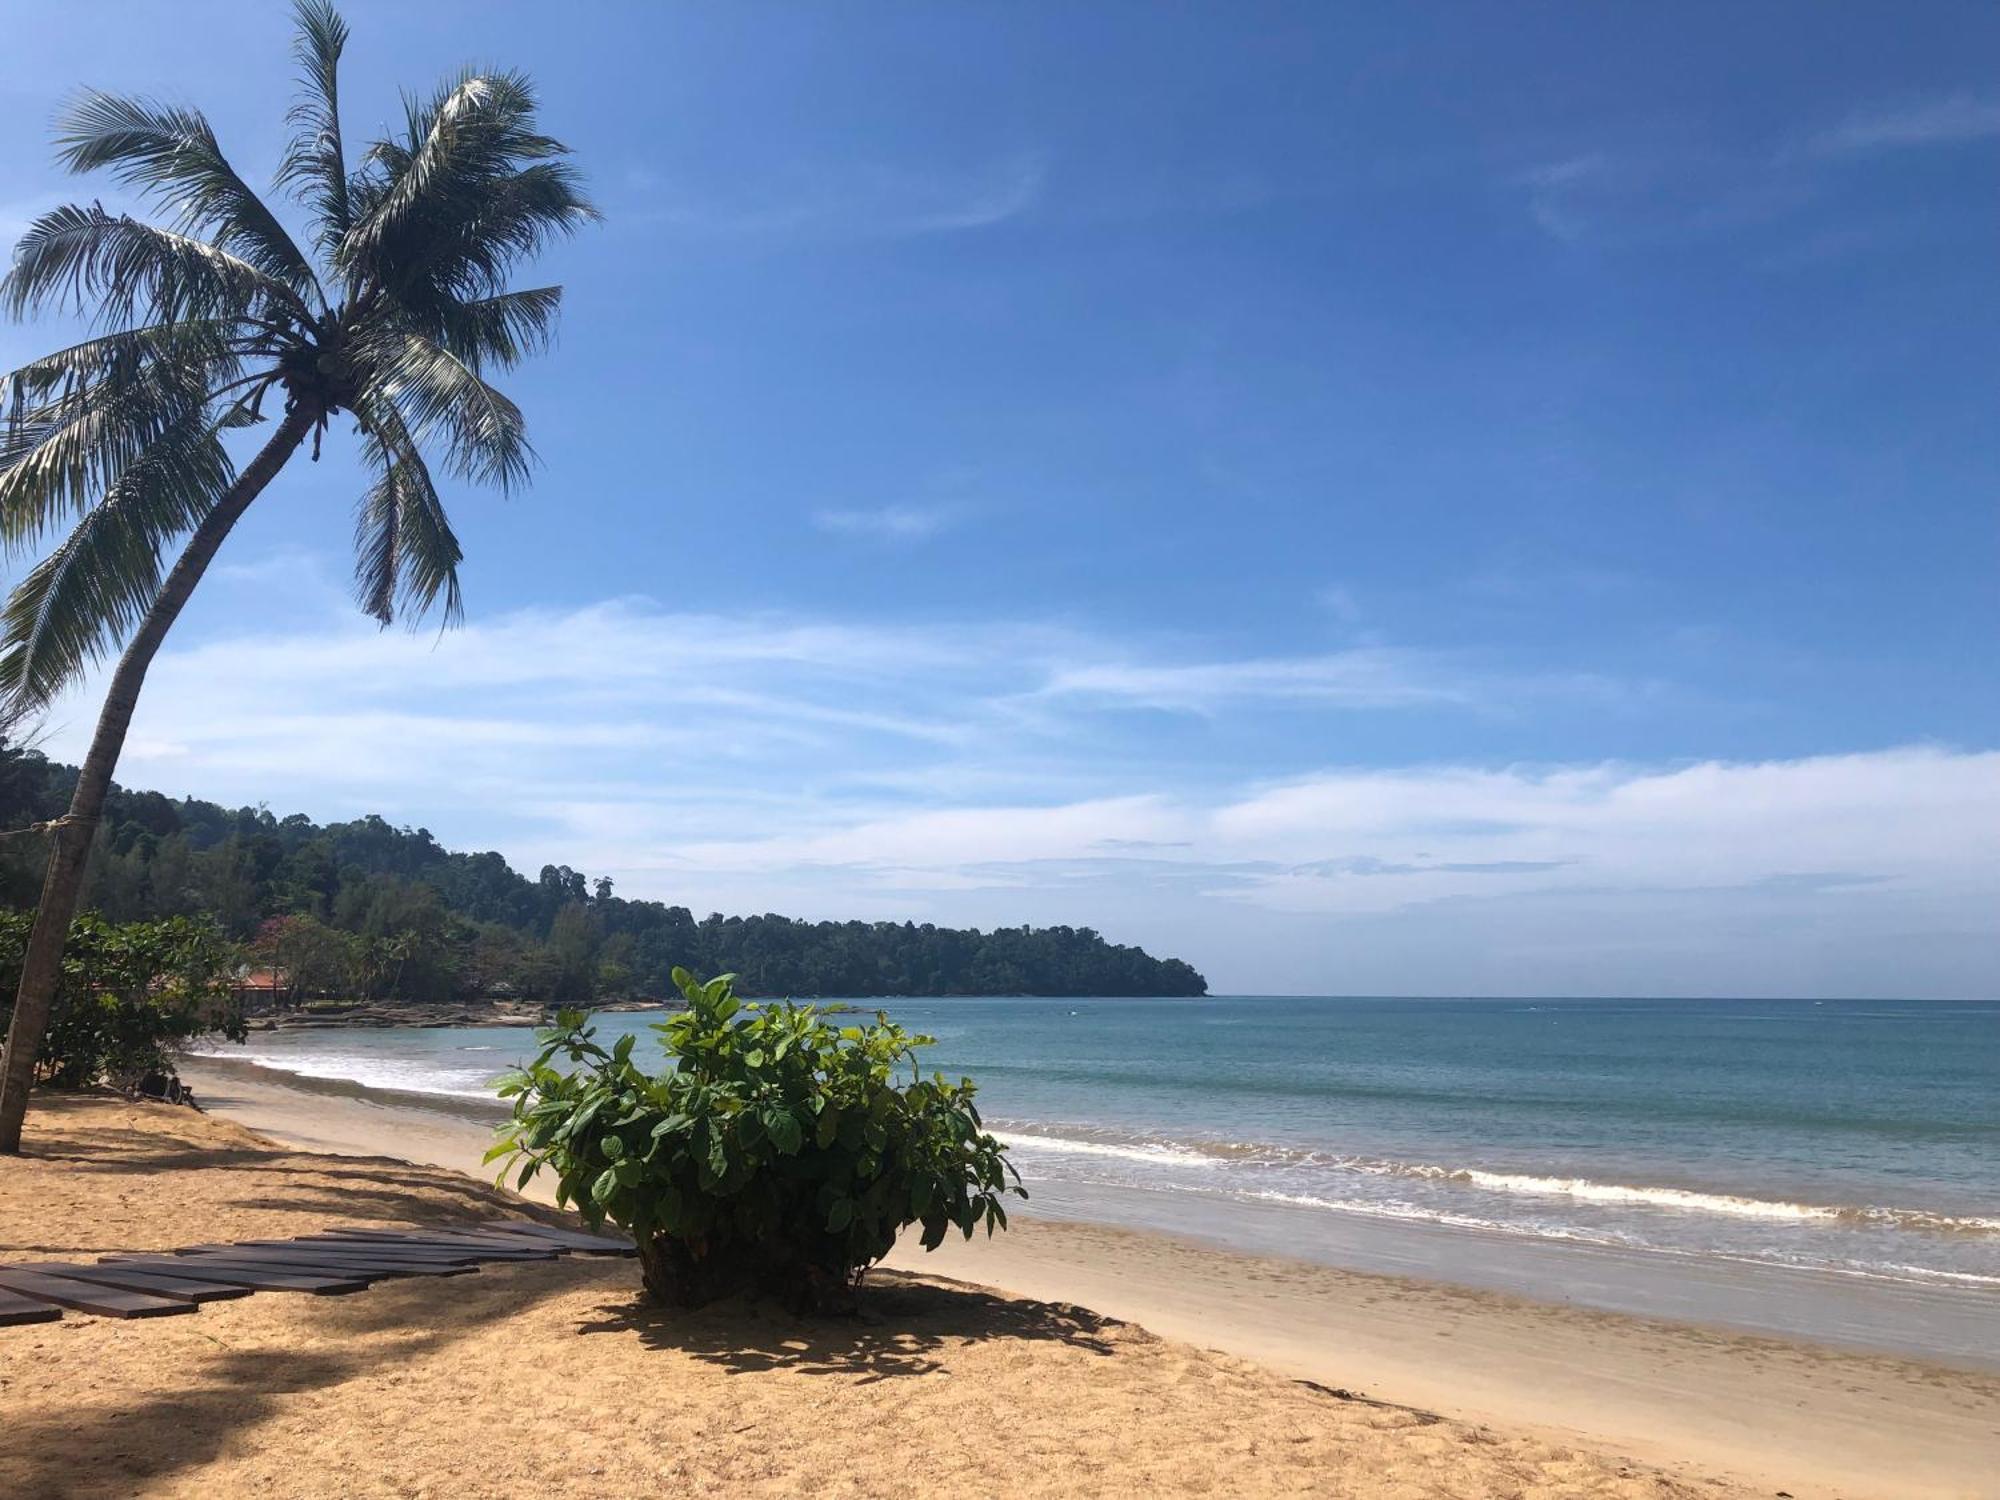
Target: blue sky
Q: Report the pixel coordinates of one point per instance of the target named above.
(1409, 499)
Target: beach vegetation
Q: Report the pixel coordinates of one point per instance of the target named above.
(210, 319)
(131, 996)
(776, 1152)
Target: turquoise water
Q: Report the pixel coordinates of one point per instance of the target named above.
(1846, 1139)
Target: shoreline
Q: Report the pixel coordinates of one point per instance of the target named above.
(1791, 1414)
(1909, 1315)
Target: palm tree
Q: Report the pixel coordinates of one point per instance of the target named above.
(394, 318)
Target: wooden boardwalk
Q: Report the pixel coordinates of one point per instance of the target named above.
(338, 1261)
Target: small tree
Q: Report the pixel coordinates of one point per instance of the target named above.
(776, 1154)
(130, 995)
(312, 957)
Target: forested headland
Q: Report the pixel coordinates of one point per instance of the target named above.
(370, 910)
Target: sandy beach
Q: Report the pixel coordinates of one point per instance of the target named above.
(1621, 1397)
(555, 1378)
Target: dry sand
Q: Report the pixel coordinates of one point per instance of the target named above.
(553, 1378)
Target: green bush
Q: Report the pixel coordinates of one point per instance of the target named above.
(776, 1154)
(131, 995)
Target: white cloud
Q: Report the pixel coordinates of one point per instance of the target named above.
(1948, 121)
(996, 772)
(1855, 874)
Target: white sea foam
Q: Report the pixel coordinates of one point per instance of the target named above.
(1685, 1199)
(372, 1072)
(1417, 1214)
(1138, 1151)
(1209, 1155)
(1689, 1200)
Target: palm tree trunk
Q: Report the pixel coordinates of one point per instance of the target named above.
(73, 833)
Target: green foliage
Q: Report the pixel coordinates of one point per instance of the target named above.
(310, 957)
(131, 994)
(778, 1153)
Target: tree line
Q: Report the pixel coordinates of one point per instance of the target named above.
(371, 910)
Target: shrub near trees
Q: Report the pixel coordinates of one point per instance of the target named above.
(129, 997)
(776, 1153)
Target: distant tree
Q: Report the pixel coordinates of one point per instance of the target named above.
(393, 317)
(476, 927)
(573, 943)
(311, 957)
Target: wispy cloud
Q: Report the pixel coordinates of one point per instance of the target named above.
(1949, 121)
(849, 200)
(1642, 194)
(1341, 602)
(553, 707)
(1554, 189)
(895, 523)
(1665, 189)
(977, 772)
(1367, 677)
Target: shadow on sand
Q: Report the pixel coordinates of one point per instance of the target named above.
(903, 1327)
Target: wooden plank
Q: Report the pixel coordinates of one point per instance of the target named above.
(490, 1246)
(16, 1310)
(262, 1278)
(592, 1244)
(467, 1253)
(323, 1249)
(158, 1283)
(304, 1260)
(433, 1255)
(438, 1250)
(104, 1301)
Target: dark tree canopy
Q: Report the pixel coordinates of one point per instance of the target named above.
(434, 925)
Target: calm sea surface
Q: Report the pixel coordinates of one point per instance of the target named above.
(1853, 1144)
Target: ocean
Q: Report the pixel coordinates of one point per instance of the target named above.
(1825, 1167)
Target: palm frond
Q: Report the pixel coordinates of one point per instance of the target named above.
(453, 207)
(502, 330)
(315, 161)
(58, 457)
(172, 155)
(405, 555)
(440, 397)
(111, 361)
(444, 141)
(87, 260)
(81, 601)
(472, 254)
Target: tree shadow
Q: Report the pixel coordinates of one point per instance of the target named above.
(377, 1190)
(117, 1450)
(904, 1326)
